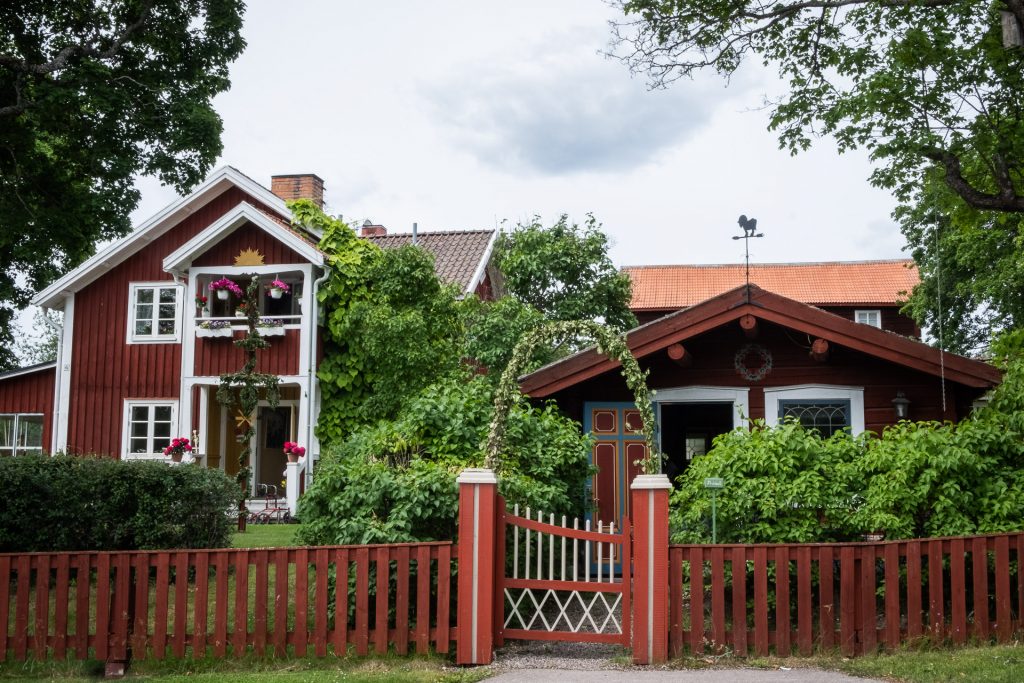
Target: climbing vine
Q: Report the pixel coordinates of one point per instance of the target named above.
(242, 391)
(609, 343)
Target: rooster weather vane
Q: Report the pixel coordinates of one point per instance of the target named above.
(749, 226)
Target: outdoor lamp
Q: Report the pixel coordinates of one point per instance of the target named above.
(901, 405)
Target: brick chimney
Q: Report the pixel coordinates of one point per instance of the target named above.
(299, 186)
(370, 230)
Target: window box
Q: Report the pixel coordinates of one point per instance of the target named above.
(215, 332)
(275, 331)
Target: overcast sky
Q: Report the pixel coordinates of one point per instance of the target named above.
(463, 115)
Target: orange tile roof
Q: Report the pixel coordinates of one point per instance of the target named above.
(820, 284)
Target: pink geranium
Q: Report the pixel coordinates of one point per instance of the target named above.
(227, 284)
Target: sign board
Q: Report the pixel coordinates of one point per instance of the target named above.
(713, 483)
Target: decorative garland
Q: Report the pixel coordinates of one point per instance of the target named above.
(756, 374)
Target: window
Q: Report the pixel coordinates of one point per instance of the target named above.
(828, 417)
(148, 428)
(871, 317)
(21, 434)
(154, 315)
(825, 408)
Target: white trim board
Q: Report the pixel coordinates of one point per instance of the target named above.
(739, 397)
(815, 392)
(101, 262)
(245, 212)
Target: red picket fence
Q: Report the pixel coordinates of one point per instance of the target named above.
(200, 602)
(752, 598)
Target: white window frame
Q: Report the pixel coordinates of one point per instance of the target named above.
(179, 306)
(14, 447)
(815, 392)
(868, 313)
(126, 453)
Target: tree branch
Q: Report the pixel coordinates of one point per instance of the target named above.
(1007, 200)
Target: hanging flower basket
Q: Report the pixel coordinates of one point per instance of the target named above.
(222, 294)
(224, 286)
(277, 289)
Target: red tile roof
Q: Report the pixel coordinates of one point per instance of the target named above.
(457, 253)
(838, 283)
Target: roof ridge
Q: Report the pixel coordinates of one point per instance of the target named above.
(421, 233)
(788, 264)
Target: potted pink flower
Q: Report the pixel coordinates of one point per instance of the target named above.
(294, 451)
(277, 289)
(224, 286)
(178, 448)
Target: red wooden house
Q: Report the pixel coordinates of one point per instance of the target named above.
(824, 343)
(139, 361)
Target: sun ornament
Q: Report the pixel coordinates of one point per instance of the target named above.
(249, 257)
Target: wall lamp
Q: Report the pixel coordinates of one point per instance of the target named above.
(901, 405)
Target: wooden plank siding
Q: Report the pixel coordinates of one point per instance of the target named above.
(713, 365)
(31, 392)
(215, 356)
(106, 370)
(194, 603)
(859, 596)
(247, 237)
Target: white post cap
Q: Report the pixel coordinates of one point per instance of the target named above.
(651, 481)
(477, 475)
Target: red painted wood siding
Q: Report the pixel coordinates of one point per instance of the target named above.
(218, 355)
(892, 319)
(30, 393)
(713, 365)
(248, 237)
(106, 370)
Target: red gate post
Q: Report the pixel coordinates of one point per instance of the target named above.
(478, 493)
(650, 562)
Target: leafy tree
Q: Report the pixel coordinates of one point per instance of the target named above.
(93, 92)
(40, 345)
(972, 275)
(927, 86)
(395, 481)
(564, 272)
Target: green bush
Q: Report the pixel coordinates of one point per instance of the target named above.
(395, 481)
(918, 479)
(92, 503)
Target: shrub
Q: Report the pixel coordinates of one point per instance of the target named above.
(92, 503)
(395, 481)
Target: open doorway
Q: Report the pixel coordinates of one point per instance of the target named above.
(687, 430)
(274, 428)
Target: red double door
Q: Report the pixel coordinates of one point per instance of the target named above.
(618, 449)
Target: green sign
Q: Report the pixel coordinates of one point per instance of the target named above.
(713, 483)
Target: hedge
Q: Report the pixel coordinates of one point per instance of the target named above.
(94, 503)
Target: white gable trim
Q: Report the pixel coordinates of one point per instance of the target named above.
(146, 232)
(481, 268)
(245, 212)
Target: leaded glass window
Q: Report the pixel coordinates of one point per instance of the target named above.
(828, 417)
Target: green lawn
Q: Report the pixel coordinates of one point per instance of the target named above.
(265, 536)
(255, 670)
(985, 664)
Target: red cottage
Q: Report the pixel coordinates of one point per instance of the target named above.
(140, 354)
(824, 343)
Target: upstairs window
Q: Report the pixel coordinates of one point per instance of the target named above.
(155, 313)
(21, 434)
(871, 317)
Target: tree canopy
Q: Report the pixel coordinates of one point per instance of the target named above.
(927, 86)
(92, 93)
(564, 272)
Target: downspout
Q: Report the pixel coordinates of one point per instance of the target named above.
(57, 329)
(311, 372)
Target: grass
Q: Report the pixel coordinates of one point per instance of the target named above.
(265, 536)
(978, 664)
(252, 669)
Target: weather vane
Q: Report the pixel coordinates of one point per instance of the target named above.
(749, 226)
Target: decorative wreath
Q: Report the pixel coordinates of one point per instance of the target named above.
(744, 370)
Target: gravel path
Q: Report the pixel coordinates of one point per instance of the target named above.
(536, 661)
